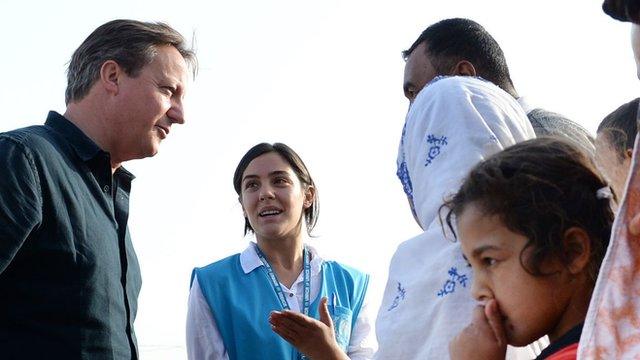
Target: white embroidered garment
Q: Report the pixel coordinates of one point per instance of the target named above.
(453, 124)
(612, 327)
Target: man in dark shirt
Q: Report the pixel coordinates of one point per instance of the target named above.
(463, 47)
(69, 277)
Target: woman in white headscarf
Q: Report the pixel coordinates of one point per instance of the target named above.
(454, 123)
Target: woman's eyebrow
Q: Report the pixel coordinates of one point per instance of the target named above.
(250, 177)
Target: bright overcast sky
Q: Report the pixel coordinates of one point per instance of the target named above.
(324, 77)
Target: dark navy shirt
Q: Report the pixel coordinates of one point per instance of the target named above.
(69, 276)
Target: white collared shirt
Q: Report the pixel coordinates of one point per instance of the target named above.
(203, 337)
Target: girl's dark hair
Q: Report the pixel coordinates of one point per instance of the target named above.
(620, 127)
(540, 188)
(298, 167)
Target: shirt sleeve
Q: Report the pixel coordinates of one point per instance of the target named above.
(204, 341)
(362, 344)
(20, 199)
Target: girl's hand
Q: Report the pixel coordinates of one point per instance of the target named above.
(314, 338)
(483, 338)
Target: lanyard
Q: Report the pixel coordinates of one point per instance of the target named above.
(306, 276)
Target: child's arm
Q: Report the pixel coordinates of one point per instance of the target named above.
(483, 338)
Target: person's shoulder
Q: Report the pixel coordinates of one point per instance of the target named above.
(347, 270)
(217, 271)
(36, 138)
(546, 115)
(219, 264)
(549, 123)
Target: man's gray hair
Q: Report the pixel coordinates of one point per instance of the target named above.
(132, 44)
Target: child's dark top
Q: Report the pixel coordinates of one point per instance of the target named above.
(565, 348)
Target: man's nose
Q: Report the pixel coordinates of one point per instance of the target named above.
(176, 112)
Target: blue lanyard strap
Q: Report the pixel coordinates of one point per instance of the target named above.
(273, 278)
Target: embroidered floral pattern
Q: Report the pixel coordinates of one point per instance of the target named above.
(403, 171)
(454, 279)
(436, 146)
(402, 292)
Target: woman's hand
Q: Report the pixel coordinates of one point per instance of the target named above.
(314, 338)
(483, 338)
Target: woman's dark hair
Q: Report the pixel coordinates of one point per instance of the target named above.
(620, 127)
(540, 188)
(298, 167)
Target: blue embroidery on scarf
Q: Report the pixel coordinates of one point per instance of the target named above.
(402, 292)
(403, 171)
(434, 150)
(403, 175)
(450, 285)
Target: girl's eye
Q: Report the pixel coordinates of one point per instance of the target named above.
(468, 264)
(250, 185)
(488, 261)
(280, 181)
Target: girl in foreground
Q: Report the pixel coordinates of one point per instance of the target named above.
(534, 225)
(277, 299)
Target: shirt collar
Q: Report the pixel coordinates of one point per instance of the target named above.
(250, 261)
(81, 143)
(84, 147)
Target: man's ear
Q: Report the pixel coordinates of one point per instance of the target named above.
(309, 196)
(110, 73)
(629, 153)
(464, 68)
(577, 245)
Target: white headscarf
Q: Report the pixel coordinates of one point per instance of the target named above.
(454, 123)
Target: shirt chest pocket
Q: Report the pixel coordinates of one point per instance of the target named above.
(342, 319)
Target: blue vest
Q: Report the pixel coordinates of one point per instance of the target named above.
(241, 304)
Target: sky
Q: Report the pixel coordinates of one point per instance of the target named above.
(324, 77)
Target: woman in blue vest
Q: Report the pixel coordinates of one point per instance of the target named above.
(277, 299)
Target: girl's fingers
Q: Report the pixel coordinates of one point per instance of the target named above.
(494, 317)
